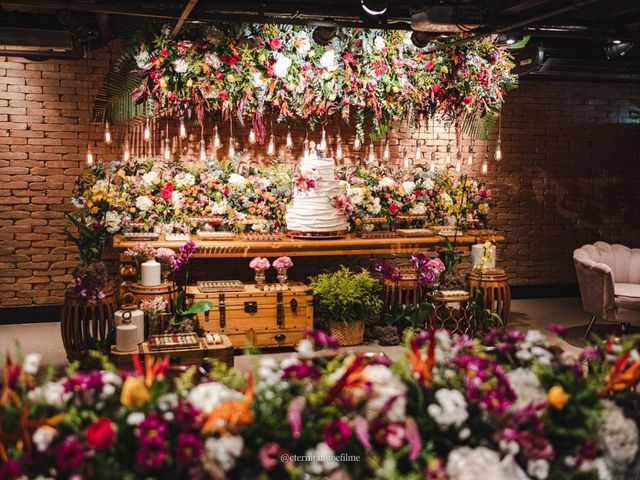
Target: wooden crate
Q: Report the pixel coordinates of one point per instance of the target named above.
(180, 356)
(275, 317)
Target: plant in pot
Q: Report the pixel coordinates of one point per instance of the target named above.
(345, 300)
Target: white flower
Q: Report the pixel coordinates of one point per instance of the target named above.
(375, 207)
(464, 433)
(618, 436)
(184, 179)
(418, 209)
(534, 336)
(356, 195)
(111, 378)
(268, 373)
(259, 227)
(281, 67)
(302, 42)
(43, 437)
(305, 348)
(212, 59)
(538, 469)
(450, 409)
(176, 199)
(428, 184)
(409, 187)
(107, 391)
(599, 465)
(465, 463)
(112, 221)
(31, 363)
(168, 401)
(51, 393)
(527, 387)
(144, 203)
(237, 179)
(207, 396)
(180, 65)
(446, 199)
(387, 182)
(135, 418)
(142, 58)
(219, 208)
(224, 450)
(149, 178)
(328, 60)
(258, 79)
(387, 395)
(324, 462)
(379, 43)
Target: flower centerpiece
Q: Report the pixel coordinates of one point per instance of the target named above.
(165, 256)
(282, 264)
(259, 265)
(155, 310)
(345, 300)
(429, 270)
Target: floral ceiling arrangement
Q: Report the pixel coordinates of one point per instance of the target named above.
(370, 78)
(155, 195)
(451, 409)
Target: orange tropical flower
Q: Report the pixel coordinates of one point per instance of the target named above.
(623, 375)
(230, 414)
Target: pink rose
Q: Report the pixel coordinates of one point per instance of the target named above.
(275, 43)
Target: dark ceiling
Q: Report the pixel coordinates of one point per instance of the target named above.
(572, 34)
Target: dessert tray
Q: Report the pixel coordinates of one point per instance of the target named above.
(317, 235)
(141, 236)
(415, 232)
(213, 286)
(205, 235)
(173, 341)
(375, 234)
(177, 237)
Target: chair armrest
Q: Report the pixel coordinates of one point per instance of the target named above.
(596, 288)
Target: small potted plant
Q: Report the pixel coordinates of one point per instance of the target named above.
(345, 300)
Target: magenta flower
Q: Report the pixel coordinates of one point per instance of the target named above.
(388, 272)
(269, 455)
(186, 415)
(301, 371)
(188, 448)
(184, 256)
(83, 381)
(321, 339)
(413, 438)
(392, 434)
(153, 447)
(558, 329)
(294, 415)
(337, 435)
(69, 454)
(10, 470)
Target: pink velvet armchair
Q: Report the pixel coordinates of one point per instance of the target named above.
(609, 279)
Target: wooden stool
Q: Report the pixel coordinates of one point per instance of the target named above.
(83, 325)
(451, 312)
(403, 292)
(167, 290)
(493, 285)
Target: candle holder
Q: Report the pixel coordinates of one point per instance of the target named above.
(260, 278)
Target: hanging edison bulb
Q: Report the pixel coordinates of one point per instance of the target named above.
(323, 141)
(232, 151)
(458, 161)
(89, 155)
(183, 129)
(127, 151)
(357, 143)
(146, 133)
(252, 136)
(167, 149)
(470, 157)
(498, 155)
(372, 154)
(271, 146)
(386, 153)
(405, 159)
(289, 141)
(447, 157)
(107, 133)
(203, 151)
(216, 138)
(305, 149)
(433, 161)
(339, 148)
(418, 153)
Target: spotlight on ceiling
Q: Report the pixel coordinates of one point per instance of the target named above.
(323, 35)
(374, 8)
(617, 48)
(512, 38)
(422, 39)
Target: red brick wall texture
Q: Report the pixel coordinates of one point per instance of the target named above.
(570, 174)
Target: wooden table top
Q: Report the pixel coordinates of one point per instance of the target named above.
(292, 247)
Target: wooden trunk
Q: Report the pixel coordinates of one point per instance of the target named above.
(82, 325)
(275, 317)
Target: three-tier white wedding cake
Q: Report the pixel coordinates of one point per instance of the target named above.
(312, 211)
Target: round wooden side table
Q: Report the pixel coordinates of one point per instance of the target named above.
(403, 292)
(493, 286)
(167, 290)
(451, 312)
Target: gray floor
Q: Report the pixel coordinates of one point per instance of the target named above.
(45, 338)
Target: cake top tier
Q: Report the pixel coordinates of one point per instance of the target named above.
(316, 160)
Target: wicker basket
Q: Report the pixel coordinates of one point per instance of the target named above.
(348, 334)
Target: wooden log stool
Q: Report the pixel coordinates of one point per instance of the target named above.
(403, 292)
(493, 286)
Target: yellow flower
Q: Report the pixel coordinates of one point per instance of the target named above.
(94, 210)
(134, 392)
(444, 69)
(557, 397)
(163, 83)
(262, 58)
(189, 83)
(231, 78)
(401, 192)
(121, 173)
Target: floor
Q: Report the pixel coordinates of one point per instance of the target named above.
(525, 314)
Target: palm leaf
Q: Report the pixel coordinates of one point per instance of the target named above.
(479, 126)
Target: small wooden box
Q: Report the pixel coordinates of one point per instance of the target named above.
(275, 317)
(197, 355)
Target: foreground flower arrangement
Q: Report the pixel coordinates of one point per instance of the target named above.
(452, 408)
(155, 195)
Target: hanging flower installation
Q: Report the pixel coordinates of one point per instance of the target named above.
(371, 78)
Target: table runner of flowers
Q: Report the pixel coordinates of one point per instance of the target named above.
(372, 77)
(153, 195)
(512, 407)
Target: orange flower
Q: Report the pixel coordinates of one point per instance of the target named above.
(557, 397)
(623, 375)
(230, 414)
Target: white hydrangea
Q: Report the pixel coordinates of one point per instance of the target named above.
(207, 396)
(324, 463)
(180, 65)
(237, 179)
(450, 409)
(356, 195)
(281, 67)
(538, 469)
(219, 208)
(224, 450)
(142, 58)
(144, 203)
(466, 463)
(618, 436)
(177, 199)
(268, 374)
(328, 60)
(387, 182)
(385, 386)
(149, 178)
(184, 179)
(418, 209)
(112, 221)
(527, 387)
(379, 43)
(374, 208)
(168, 401)
(31, 363)
(408, 187)
(428, 184)
(51, 393)
(43, 437)
(212, 60)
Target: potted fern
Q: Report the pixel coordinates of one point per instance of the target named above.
(345, 300)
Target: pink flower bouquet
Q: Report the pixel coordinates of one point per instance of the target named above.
(259, 263)
(282, 262)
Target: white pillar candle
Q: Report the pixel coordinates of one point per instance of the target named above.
(151, 273)
(137, 320)
(127, 338)
(478, 251)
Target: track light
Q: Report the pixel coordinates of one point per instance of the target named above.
(617, 48)
(422, 39)
(374, 8)
(323, 35)
(512, 38)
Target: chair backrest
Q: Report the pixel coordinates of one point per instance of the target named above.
(623, 261)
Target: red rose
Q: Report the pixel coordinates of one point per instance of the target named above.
(166, 191)
(100, 434)
(226, 190)
(393, 208)
(429, 65)
(219, 75)
(435, 88)
(348, 57)
(418, 193)
(275, 43)
(467, 100)
(232, 61)
(164, 52)
(223, 95)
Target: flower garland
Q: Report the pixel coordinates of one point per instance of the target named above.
(366, 76)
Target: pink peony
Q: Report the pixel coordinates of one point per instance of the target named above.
(259, 263)
(282, 262)
(275, 43)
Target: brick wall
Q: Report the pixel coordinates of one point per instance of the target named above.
(569, 175)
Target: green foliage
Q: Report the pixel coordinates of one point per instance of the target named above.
(408, 316)
(88, 238)
(346, 295)
(450, 256)
(484, 319)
